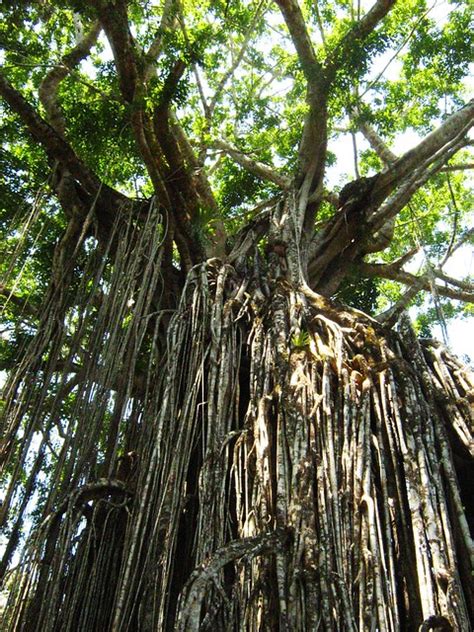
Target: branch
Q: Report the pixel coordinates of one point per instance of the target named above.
(90, 491)
(153, 137)
(77, 182)
(56, 147)
(312, 151)
(250, 234)
(417, 159)
(49, 86)
(358, 33)
(199, 180)
(257, 168)
(417, 179)
(391, 315)
(114, 19)
(418, 164)
(459, 167)
(436, 624)
(202, 183)
(382, 150)
(464, 285)
(301, 40)
(423, 281)
(355, 224)
(455, 126)
(235, 64)
(202, 96)
(65, 187)
(462, 240)
(170, 86)
(411, 34)
(401, 261)
(168, 21)
(196, 586)
(381, 239)
(19, 301)
(320, 25)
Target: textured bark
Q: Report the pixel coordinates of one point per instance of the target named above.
(212, 443)
(295, 465)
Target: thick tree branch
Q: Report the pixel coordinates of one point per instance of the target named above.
(168, 22)
(413, 183)
(158, 147)
(382, 150)
(313, 146)
(456, 125)
(312, 151)
(390, 316)
(104, 488)
(49, 86)
(353, 229)
(56, 147)
(357, 34)
(398, 263)
(257, 168)
(301, 40)
(423, 281)
(207, 572)
(314, 140)
(114, 19)
(198, 173)
(79, 189)
(66, 188)
(358, 220)
(464, 285)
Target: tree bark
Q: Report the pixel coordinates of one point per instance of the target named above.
(297, 468)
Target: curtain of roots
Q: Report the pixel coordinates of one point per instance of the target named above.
(252, 460)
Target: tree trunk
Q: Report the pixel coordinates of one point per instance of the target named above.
(262, 459)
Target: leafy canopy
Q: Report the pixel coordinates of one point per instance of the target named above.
(242, 92)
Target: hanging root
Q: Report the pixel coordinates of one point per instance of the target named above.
(295, 464)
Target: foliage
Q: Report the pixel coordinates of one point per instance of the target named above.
(215, 216)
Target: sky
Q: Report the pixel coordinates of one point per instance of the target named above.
(460, 332)
(460, 265)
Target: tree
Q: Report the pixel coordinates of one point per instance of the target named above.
(217, 413)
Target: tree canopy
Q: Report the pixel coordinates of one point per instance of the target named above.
(169, 171)
(233, 103)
